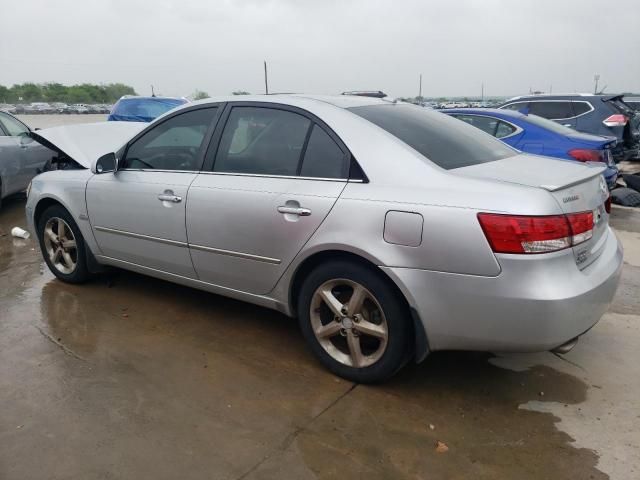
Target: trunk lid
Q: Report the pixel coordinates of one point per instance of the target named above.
(576, 187)
(86, 142)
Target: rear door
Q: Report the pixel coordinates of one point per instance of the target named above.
(273, 178)
(138, 213)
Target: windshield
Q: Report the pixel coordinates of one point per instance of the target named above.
(446, 141)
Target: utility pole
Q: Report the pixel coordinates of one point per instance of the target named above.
(596, 77)
(153, 94)
(420, 88)
(266, 81)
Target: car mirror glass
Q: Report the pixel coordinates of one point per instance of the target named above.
(106, 163)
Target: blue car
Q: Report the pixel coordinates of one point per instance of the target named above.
(533, 134)
(142, 109)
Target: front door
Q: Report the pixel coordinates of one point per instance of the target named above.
(138, 213)
(276, 175)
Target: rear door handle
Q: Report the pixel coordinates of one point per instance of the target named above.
(300, 211)
(168, 196)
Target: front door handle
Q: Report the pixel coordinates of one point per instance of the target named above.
(168, 196)
(300, 211)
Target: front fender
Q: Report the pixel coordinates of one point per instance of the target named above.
(68, 188)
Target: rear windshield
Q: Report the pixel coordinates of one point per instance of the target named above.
(145, 109)
(446, 141)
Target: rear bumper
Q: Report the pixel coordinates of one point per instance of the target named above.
(534, 304)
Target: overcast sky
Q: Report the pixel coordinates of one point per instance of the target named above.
(324, 46)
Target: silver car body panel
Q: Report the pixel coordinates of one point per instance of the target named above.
(21, 159)
(243, 247)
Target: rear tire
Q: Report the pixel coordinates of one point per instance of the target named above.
(62, 245)
(354, 321)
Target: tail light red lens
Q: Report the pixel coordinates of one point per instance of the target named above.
(587, 155)
(535, 234)
(616, 120)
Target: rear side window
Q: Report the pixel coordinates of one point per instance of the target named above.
(446, 141)
(519, 106)
(504, 129)
(264, 141)
(581, 107)
(486, 124)
(323, 157)
(552, 110)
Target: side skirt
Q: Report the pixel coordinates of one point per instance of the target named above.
(260, 300)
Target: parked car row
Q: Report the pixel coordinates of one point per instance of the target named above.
(389, 230)
(36, 108)
(536, 135)
(604, 115)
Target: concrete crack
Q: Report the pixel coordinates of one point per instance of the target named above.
(62, 347)
(293, 435)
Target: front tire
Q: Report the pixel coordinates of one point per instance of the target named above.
(355, 322)
(62, 245)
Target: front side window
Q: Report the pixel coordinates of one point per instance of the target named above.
(445, 141)
(323, 157)
(263, 141)
(552, 110)
(13, 127)
(174, 144)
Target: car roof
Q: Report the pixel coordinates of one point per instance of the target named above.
(498, 112)
(298, 99)
(561, 96)
(141, 97)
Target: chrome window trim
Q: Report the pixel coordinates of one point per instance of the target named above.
(194, 172)
(176, 243)
(538, 100)
(238, 174)
(517, 131)
(296, 177)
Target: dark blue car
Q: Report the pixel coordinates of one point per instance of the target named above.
(532, 134)
(142, 109)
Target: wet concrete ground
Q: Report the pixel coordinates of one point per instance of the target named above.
(131, 377)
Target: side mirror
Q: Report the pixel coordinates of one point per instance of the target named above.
(105, 164)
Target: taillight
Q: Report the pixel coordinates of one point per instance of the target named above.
(587, 155)
(616, 120)
(535, 234)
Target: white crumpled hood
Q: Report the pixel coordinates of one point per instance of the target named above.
(87, 142)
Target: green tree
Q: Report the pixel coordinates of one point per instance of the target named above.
(240, 92)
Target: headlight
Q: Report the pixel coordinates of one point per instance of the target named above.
(28, 189)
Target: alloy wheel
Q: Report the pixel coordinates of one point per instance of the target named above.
(60, 245)
(349, 323)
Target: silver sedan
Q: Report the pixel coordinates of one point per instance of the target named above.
(21, 158)
(390, 231)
